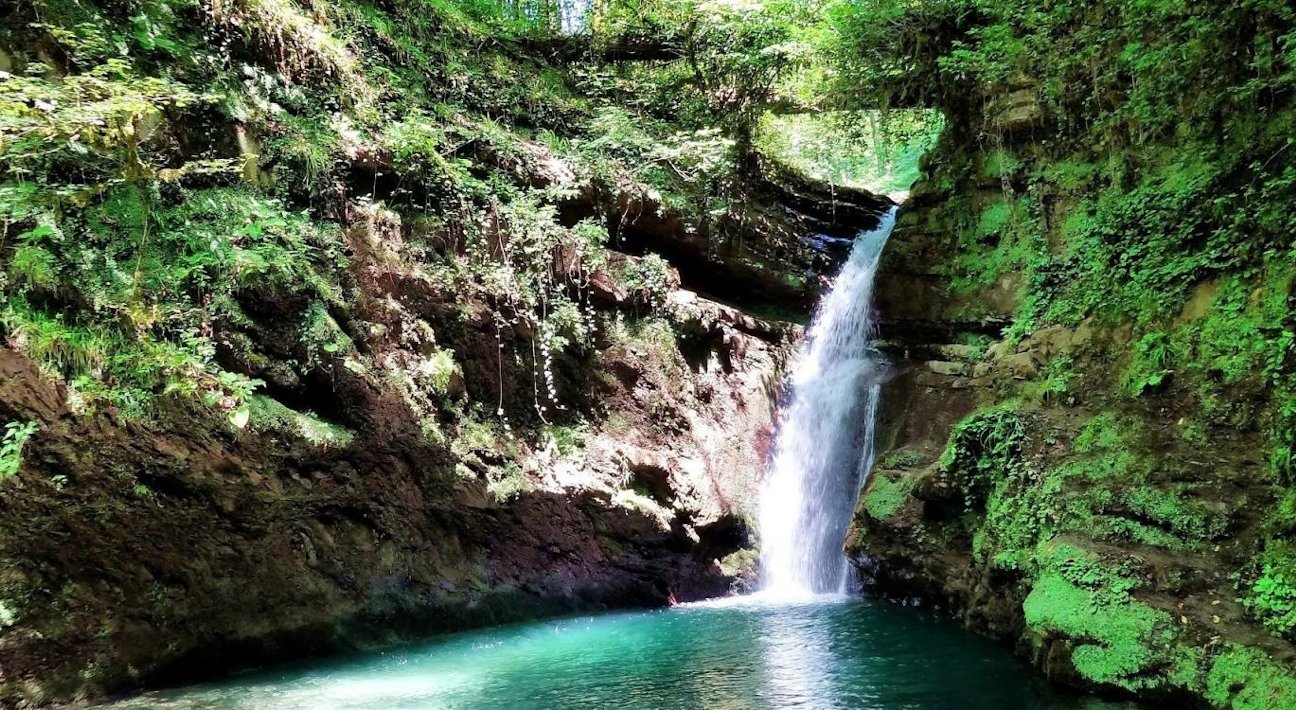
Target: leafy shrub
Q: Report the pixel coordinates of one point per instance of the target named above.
(15, 437)
(1148, 364)
(508, 482)
(983, 449)
(1271, 597)
(649, 277)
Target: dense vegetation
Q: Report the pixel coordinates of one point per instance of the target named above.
(1118, 174)
(165, 159)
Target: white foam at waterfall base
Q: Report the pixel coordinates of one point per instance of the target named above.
(824, 447)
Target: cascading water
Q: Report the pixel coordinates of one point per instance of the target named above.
(825, 441)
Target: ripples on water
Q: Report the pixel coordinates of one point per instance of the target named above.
(731, 654)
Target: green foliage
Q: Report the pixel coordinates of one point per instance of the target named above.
(873, 150)
(1122, 78)
(1019, 501)
(1118, 495)
(1180, 510)
(418, 143)
(439, 369)
(1248, 679)
(901, 458)
(1104, 432)
(158, 281)
(1119, 640)
(508, 482)
(1155, 201)
(1148, 364)
(649, 277)
(1107, 489)
(101, 120)
(1055, 384)
(1002, 242)
(1271, 596)
(1111, 584)
(305, 150)
(570, 438)
(103, 364)
(15, 437)
(1089, 167)
(690, 172)
(1151, 241)
(1001, 164)
(744, 52)
(322, 336)
(983, 449)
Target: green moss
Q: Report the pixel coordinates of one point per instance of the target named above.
(1070, 175)
(1105, 431)
(886, 495)
(1021, 503)
(1247, 679)
(323, 337)
(269, 414)
(1000, 164)
(901, 458)
(1115, 492)
(1119, 641)
(1156, 209)
(1000, 242)
(1122, 529)
(1179, 509)
(1072, 562)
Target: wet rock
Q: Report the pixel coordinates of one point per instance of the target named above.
(952, 369)
(936, 485)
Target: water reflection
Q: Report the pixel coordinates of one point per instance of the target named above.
(799, 662)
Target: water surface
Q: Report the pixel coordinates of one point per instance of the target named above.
(821, 653)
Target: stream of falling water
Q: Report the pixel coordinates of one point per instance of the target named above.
(824, 448)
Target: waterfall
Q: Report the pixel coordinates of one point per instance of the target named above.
(824, 447)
